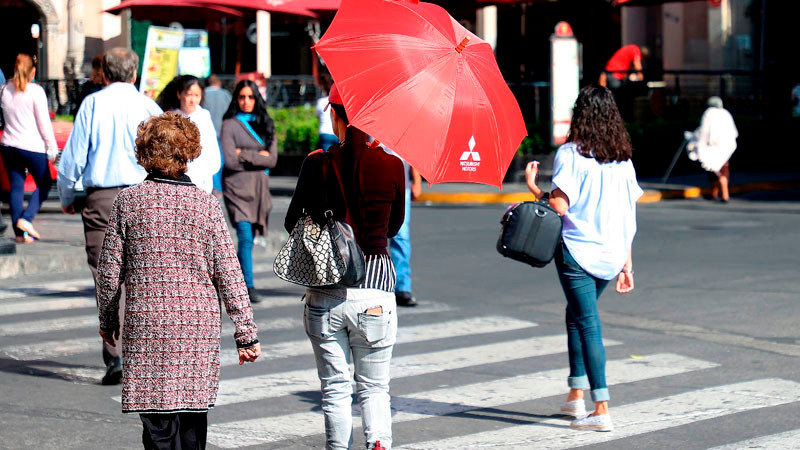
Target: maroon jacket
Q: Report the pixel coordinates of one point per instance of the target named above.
(374, 185)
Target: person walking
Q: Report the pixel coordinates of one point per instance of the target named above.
(27, 144)
(101, 150)
(713, 144)
(216, 100)
(184, 94)
(357, 324)
(93, 84)
(595, 190)
(168, 242)
(624, 64)
(249, 146)
(327, 137)
(400, 245)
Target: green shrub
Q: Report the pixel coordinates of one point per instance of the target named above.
(296, 129)
(537, 141)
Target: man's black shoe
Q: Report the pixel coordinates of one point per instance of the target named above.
(251, 292)
(404, 298)
(113, 372)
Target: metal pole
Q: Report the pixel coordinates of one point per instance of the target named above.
(224, 57)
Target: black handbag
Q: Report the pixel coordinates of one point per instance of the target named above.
(531, 233)
(321, 254)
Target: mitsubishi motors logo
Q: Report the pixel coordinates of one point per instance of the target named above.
(470, 160)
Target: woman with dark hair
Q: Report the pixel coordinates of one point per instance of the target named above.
(184, 94)
(249, 150)
(595, 190)
(168, 242)
(28, 142)
(365, 187)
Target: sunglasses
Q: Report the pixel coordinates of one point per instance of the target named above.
(251, 97)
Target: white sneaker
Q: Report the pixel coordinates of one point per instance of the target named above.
(600, 422)
(575, 408)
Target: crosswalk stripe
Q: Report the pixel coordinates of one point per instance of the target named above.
(789, 440)
(261, 387)
(634, 419)
(28, 305)
(65, 286)
(439, 402)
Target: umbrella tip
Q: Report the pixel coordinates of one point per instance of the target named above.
(462, 45)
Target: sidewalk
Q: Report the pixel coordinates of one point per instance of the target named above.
(678, 187)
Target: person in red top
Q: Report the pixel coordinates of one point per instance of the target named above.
(625, 59)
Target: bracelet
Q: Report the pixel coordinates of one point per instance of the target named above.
(630, 271)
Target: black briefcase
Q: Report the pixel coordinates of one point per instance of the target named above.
(531, 232)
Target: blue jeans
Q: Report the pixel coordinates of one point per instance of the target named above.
(338, 325)
(244, 234)
(400, 250)
(16, 161)
(587, 357)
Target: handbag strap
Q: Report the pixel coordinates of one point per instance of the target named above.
(329, 161)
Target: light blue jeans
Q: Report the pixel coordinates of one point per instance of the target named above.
(587, 356)
(400, 249)
(341, 331)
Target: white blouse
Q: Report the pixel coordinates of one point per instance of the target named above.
(601, 220)
(202, 169)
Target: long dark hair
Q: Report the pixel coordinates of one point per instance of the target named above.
(264, 125)
(168, 98)
(597, 128)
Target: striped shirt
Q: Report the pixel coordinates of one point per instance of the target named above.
(380, 273)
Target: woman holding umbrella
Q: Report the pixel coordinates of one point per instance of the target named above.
(595, 190)
(249, 148)
(359, 321)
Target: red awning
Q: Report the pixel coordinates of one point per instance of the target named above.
(204, 9)
(650, 2)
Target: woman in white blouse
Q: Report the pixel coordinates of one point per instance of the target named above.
(28, 142)
(595, 190)
(185, 93)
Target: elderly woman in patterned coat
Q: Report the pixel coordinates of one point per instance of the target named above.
(167, 241)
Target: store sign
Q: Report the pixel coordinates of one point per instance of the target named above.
(564, 81)
(195, 57)
(160, 59)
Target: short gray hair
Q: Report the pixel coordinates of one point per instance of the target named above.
(120, 65)
(715, 102)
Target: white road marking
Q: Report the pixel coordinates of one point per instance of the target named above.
(28, 305)
(789, 440)
(633, 419)
(261, 387)
(444, 401)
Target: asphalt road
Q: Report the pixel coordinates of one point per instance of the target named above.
(702, 355)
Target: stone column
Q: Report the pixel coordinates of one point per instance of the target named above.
(263, 43)
(486, 24)
(75, 40)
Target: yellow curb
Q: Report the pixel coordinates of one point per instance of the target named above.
(475, 197)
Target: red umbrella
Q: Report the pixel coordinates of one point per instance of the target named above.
(415, 79)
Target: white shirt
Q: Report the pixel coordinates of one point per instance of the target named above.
(102, 145)
(202, 169)
(715, 140)
(325, 124)
(27, 119)
(601, 220)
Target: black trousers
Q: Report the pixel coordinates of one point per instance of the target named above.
(175, 431)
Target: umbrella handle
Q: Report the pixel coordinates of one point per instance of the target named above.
(462, 45)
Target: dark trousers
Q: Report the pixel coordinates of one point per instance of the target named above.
(95, 220)
(17, 161)
(176, 431)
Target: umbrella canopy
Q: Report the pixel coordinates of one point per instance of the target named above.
(415, 79)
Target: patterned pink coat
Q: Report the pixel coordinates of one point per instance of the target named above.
(168, 242)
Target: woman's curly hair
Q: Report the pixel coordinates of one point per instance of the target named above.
(597, 128)
(166, 143)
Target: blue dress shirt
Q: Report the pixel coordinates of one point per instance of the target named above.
(102, 145)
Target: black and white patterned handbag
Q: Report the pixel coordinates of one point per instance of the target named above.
(321, 255)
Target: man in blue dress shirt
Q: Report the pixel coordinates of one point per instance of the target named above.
(101, 149)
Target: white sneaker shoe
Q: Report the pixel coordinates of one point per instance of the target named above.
(600, 422)
(575, 408)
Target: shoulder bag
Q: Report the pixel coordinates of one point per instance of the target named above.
(530, 234)
(321, 255)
